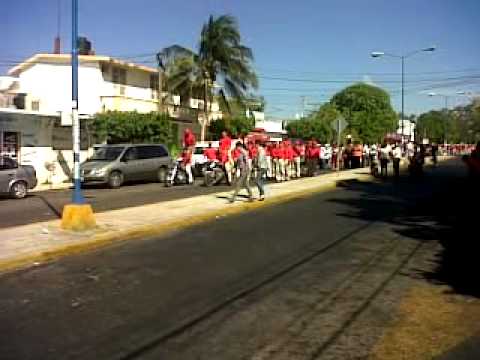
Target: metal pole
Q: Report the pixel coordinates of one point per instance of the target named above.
(77, 192)
(446, 121)
(160, 88)
(403, 95)
(338, 146)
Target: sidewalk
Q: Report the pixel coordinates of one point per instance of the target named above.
(32, 244)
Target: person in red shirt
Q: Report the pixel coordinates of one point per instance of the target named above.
(186, 163)
(289, 155)
(277, 154)
(298, 153)
(188, 139)
(311, 156)
(210, 153)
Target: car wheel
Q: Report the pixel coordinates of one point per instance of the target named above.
(162, 175)
(115, 179)
(19, 190)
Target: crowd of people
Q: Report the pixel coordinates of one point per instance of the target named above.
(248, 161)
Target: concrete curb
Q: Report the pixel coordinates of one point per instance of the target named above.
(98, 241)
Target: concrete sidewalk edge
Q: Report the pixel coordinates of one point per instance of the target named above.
(99, 241)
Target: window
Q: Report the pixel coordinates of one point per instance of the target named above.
(35, 105)
(119, 76)
(7, 163)
(149, 152)
(131, 154)
(154, 81)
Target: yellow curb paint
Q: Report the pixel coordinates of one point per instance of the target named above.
(77, 217)
(102, 240)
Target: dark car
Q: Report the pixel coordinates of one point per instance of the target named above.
(15, 179)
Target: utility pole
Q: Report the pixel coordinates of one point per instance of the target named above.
(204, 122)
(77, 216)
(303, 104)
(77, 193)
(160, 88)
(403, 97)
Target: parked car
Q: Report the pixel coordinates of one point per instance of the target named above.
(15, 179)
(115, 164)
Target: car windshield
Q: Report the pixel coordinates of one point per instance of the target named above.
(199, 150)
(106, 153)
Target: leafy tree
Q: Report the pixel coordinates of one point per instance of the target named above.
(221, 58)
(317, 125)
(236, 126)
(368, 111)
(133, 127)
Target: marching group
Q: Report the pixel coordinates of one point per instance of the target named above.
(257, 161)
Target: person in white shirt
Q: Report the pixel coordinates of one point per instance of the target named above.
(327, 155)
(385, 153)
(397, 157)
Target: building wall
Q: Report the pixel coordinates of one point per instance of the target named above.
(51, 84)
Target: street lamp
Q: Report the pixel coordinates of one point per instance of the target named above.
(376, 54)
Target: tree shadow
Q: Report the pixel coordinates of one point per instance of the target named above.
(442, 206)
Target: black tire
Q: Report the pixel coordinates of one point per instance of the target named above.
(162, 175)
(115, 179)
(19, 190)
(209, 179)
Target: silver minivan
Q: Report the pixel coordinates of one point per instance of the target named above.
(15, 179)
(116, 164)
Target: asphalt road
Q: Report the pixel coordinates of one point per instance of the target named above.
(312, 278)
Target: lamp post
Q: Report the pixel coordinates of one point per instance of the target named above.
(376, 54)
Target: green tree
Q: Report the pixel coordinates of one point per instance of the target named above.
(221, 59)
(133, 127)
(236, 126)
(317, 125)
(368, 111)
(433, 125)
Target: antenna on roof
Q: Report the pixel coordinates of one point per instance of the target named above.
(56, 45)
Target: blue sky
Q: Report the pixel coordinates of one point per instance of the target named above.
(316, 47)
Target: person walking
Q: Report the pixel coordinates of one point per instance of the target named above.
(385, 153)
(188, 139)
(397, 157)
(276, 154)
(357, 153)
(242, 181)
(261, 165)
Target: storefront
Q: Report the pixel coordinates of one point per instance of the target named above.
(40, 141)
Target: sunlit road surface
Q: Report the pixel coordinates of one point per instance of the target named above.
(327, 277)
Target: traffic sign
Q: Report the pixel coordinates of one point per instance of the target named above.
(339, 124)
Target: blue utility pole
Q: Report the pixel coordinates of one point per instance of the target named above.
(77, 197)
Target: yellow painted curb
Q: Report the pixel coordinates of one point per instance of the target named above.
(102, 240)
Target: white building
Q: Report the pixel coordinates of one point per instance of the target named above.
(408, 129)
(43, 83)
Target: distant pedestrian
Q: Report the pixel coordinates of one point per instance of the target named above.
(261, 165)
(397, 157)
(241, 164)
(385, 154)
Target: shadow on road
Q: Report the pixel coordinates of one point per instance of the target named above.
(442, 206)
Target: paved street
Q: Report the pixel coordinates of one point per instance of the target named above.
(320, 277)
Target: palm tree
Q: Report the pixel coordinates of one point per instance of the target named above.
(221, 60)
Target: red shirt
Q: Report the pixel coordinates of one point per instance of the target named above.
(236, 153)
(225, 143)
(289, 153)
(252, 152)
(276, 153)
(210, 153)
(188, 139)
